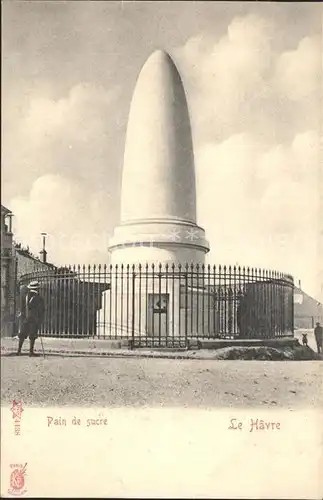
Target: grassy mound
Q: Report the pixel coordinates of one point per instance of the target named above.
(292, 353)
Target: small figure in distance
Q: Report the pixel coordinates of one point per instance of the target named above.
(304, 339)
(318, 333)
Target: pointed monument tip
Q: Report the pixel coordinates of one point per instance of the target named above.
(159, 62)
(160, 56)
(160, 53)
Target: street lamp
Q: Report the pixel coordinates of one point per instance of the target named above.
(43, 253)
(9, 217)
(44, 239)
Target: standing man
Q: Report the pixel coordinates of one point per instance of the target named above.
(318, 332)
(31, 316)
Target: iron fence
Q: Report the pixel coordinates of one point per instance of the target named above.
(164, 305)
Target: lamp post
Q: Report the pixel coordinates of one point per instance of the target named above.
(9, 217)
(43, 253)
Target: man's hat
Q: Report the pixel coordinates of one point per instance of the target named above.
(33, 285)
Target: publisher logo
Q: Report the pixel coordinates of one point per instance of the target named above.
(17, 479)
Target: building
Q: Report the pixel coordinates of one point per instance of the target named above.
(28, 263)
(307, 310)
(71, 302)
(16, 261)
(8, 273)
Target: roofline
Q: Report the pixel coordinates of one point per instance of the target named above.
(24, 252)
(5, 210)
(299, 290)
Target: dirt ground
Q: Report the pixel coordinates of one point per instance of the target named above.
(136, 382)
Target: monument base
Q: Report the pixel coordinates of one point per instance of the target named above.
(163, 308)
(158, 241)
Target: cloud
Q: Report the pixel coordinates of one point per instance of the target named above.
(70, 182)
(298, 72)
(242, 82)
(71, 216)
(260, 204)
(255, 110)
(69, 136)
(226, 74)
(79, 116)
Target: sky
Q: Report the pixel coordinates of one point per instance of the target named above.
(252, 74)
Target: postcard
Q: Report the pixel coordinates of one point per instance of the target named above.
(161, 250)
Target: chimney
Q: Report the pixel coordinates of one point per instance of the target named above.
(43, 253)
(43, 256)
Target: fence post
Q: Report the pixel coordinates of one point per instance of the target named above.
(132, 344)
(15, 287)
(186, 306)
(292, 309)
